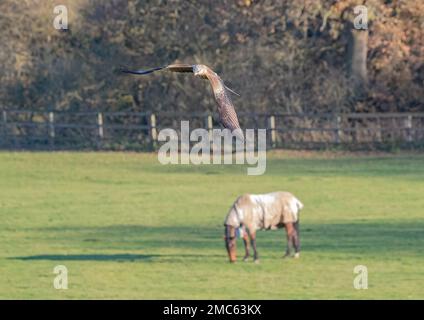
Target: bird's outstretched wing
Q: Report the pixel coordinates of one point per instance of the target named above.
(227, 114)
(178, 67)
(147, 71)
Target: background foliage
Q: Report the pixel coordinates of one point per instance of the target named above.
(280, 55)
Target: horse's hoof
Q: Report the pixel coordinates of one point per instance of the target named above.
(246, 259)
(297, 255)
(286, 256)
(257, 261)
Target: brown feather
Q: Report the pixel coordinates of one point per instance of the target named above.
(180, 67)
(227, 114)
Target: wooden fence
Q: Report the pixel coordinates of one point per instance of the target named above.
(27, 129)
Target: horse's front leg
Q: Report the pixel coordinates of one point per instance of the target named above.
(252, 235)
(246, 244)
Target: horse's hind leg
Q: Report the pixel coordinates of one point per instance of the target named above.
(292, 239)
(289, 233)
(296, 240)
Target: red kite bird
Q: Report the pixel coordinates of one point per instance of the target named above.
(227, 114)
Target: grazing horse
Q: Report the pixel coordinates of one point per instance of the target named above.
(270, 211)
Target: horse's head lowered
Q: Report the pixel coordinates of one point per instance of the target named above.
(230, 242)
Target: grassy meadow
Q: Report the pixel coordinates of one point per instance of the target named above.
(127, 227)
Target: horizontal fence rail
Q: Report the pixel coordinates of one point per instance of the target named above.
(27, 129)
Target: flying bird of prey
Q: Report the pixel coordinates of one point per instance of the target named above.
(227, 114)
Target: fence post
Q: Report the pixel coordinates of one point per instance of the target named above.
(100, 125)
(51, 125)
(51, 131)
(379, 131)
(409, 128)
(153, 130)
(271, 128)
(209, 125)
(338, 131)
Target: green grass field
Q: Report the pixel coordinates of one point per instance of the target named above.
(126, 226)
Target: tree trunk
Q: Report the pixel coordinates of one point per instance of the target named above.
(357, 58)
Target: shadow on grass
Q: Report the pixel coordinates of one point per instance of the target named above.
(203, 243)
(104, 257)
(88, 257)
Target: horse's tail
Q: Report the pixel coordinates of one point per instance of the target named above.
(296, 206)
(299, 204)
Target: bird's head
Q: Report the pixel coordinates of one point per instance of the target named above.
(200, 70)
